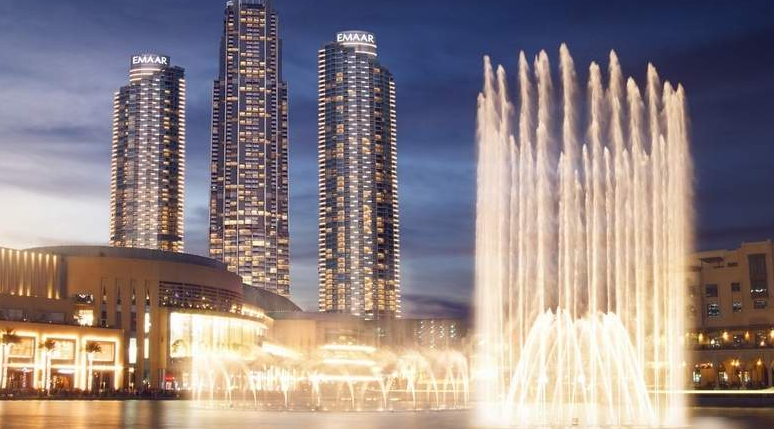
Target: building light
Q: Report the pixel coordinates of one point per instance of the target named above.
(132, 350)
(85, 317)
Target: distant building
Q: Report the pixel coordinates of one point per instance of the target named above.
(249, 164)
(307, 332)
(148, 159)
(359, 239)
(432, 333)
(731, 316)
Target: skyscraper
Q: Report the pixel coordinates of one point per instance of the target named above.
(359, 252)
(148, 156)
(249, 167)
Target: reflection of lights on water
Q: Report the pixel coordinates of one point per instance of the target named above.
(346, 378)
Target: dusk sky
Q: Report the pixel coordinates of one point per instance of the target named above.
(61, 61)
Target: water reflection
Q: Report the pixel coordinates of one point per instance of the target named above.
(183, 414)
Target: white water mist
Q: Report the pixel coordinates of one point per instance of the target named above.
(584, 223)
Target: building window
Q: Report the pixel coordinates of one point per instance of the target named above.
(758, 279)
(737, 306)
(133, 322)
(711, 291)
(736, 287)
(713, 310)
(738, 338)
(12, 314)
(85, 317)
(132, 350)
(760, 304)
(760, 339)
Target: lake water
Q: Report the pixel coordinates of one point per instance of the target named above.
(183, 414)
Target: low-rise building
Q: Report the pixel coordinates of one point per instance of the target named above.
(731, 317)
(150, 310)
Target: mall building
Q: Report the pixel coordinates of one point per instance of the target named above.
(731, 317)
(148, 311)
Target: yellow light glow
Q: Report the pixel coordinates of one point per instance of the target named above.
(278, 350)
(345, 362)
(348, 348)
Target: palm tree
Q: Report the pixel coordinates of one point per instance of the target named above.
(48, 347)
(9, 339)
(92, 347)
(179, 347)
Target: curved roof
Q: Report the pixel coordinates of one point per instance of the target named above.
(268, 301)
(130, 253)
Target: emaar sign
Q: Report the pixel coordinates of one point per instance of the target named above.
(355, 37)
(150, 59)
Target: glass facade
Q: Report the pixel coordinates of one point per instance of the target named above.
(191, 333)
(359, 252)
(148, 156)
(249, 164)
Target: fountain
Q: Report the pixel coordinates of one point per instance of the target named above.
(581, 242)
(340, 377)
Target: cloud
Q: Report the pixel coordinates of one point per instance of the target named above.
(62, 61)
(434, 306)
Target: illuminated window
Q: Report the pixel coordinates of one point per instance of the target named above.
(147, 322)
(63, 350)
(25, 348)
(713, 310)
(106, 353)
(85, 317)
(132, 350)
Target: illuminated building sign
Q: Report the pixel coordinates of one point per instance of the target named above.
(355, 37)
(149, 59)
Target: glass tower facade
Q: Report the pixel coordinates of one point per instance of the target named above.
(148, 156)
(249, 165)
(359, 251)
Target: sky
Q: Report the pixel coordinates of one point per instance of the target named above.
(61, 61)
